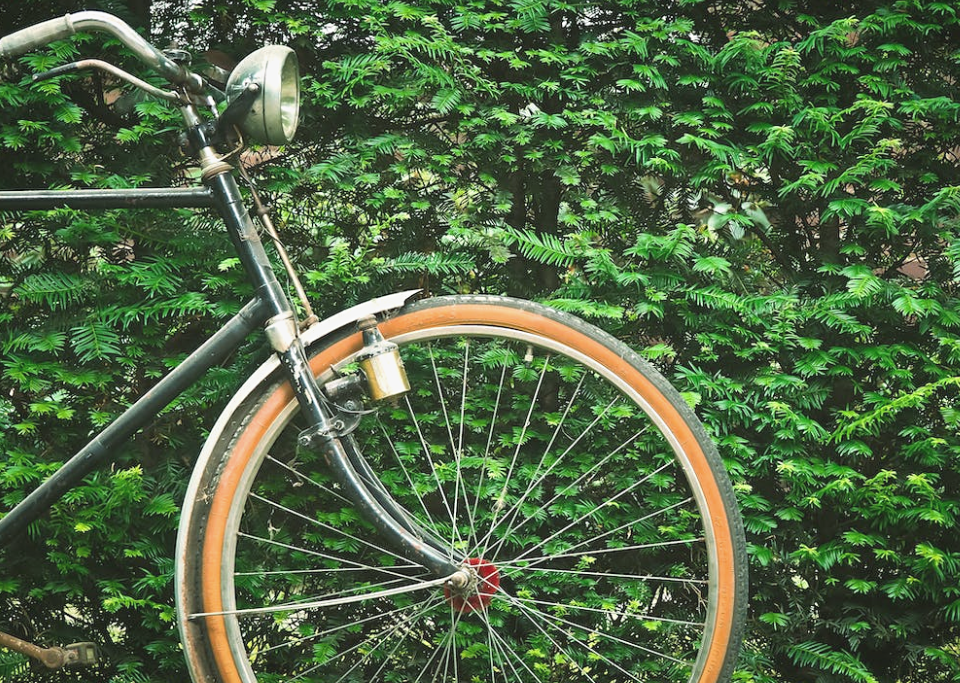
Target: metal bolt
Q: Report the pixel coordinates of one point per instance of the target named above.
(460, 579)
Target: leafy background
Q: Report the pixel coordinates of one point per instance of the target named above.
(762, 196)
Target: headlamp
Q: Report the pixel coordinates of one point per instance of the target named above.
(274, 114)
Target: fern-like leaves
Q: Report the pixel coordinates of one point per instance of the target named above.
(822, 656)
(544, 247)
(434, 263)
(57, 291)
(95, 339)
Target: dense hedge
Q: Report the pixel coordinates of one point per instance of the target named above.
(762, 196)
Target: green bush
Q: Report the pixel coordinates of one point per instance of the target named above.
(760, 196)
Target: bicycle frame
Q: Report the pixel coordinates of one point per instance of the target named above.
(270, 309)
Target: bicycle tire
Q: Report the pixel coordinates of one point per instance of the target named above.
(594, 509)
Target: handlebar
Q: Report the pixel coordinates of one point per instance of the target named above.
(46, 32)
(32, 37)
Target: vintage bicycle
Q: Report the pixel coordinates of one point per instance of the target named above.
(465, 488)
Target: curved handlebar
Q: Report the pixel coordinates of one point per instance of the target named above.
(46, 32)
(32, 37)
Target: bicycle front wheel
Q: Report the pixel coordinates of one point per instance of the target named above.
(590, 506)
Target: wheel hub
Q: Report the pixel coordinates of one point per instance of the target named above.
(476, 592)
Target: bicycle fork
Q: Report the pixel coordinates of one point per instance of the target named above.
(328, 436)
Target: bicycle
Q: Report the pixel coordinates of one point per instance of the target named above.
(466, 487)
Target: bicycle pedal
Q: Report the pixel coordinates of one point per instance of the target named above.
(82, 654)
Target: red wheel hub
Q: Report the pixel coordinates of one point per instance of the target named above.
(479, 592)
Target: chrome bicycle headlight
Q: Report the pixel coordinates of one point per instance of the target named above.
(275, 113)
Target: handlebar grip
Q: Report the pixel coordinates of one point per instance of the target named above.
(35, 36)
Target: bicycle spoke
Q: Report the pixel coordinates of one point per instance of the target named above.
(556, 644)
(487, 449)
(506, 650)
(582, 480)
(490, 652)
(613, 612)
(367, 655)
(403, 468)
(455, 536)
(450, 656)
(533, 478)
(602, 551)
(384, 636)
(325, 556)
(430, 462)
(401, 624)
(604, 575)
(331, 570)
(458, 453)
(312, 604)
(436, 652)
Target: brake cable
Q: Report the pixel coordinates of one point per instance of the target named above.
(170, 95)
(263, 215)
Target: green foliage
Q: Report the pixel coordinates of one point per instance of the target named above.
(763, 201)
